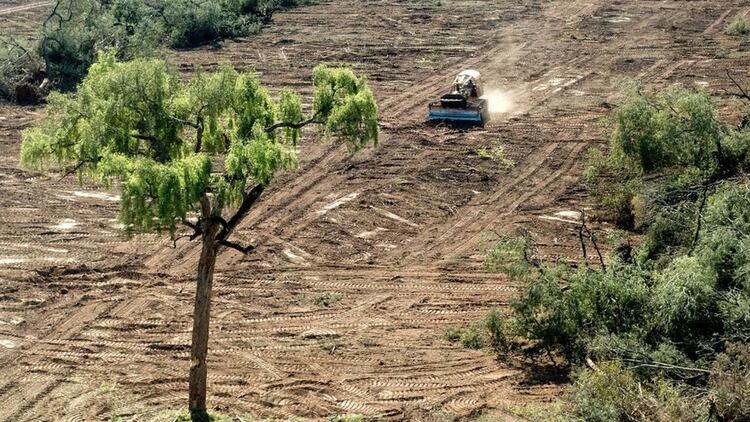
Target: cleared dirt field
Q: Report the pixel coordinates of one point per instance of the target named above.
(92, 323)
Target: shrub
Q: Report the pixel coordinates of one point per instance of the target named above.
(495, 325)
(730, 383)
(472, 337)
(738, 26)
(512, 256)
(497, 155)
(327, 299)
(667, 233)
(615, 393)
(684, 298)
(593, 302)
(734, 310)
(453, 334)
(725, 241)
(662, 147)
(192, 24)
(668, 314)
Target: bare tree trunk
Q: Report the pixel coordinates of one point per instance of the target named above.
(199, 349)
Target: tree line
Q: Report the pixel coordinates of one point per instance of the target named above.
(75, 30)
(659, 327)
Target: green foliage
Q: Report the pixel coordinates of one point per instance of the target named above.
(492, 331)
(677, 127)
(664, 149)
(325, 300)
(494, 322)
(614, 393)
(734, 312)
(685, 296)
(593, 302)
(738, 26)
(497, 155)
(655, 324)
(668, 232)
(347, 418)
(345, 105)
(471, 337)
(78, 29)
(513, 256)
(191, 24)
(138, 123)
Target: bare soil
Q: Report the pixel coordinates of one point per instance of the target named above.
(94, 324)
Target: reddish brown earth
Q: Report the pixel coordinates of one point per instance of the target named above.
(93, 324)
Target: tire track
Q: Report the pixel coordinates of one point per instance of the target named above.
(24, 7)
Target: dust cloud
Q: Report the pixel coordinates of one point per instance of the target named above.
(498, 101)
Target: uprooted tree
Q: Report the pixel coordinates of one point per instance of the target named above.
(189, 153)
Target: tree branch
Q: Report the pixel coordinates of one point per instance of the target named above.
(591, 236)
(699, 218)
(251, 198)
(199, 135)
(300, 125)
(245, 250)
(583, 242)
(161, 153)
(196, 229)
(744, 94)
(661, 365)
(75, 168)
(184, 122)
(174, 241)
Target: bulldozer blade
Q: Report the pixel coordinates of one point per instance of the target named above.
(455, 115)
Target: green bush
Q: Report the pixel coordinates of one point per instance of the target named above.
(656, 323)
(634, 347)
(192, 24)
(734, 312)
(738, 26)
(613, 392)
(725, 241)
(566, 319)
(513, 256)
(668, 233)
(471, 337)
(684, 297)
(495, 325)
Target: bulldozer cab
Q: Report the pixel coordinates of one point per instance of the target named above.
(464, 104)
(468, 84)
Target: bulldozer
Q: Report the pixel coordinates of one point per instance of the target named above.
(464, 104)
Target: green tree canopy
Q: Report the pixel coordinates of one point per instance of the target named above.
(169, 142)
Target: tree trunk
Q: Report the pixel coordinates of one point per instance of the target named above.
(199, 349)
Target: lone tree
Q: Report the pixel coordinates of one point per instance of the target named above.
(179, 150)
